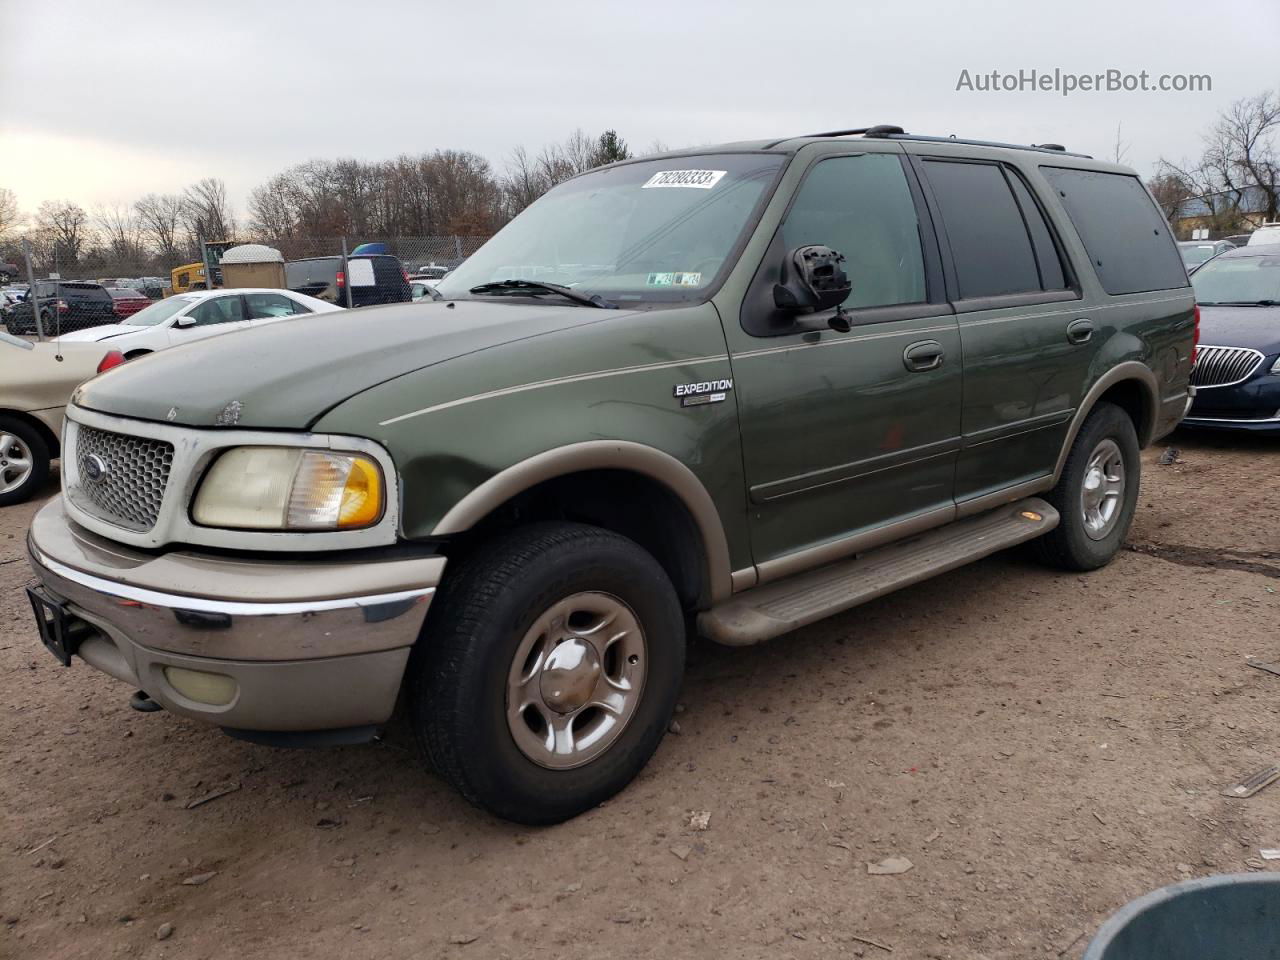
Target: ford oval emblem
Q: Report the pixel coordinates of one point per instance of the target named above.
(95, 468)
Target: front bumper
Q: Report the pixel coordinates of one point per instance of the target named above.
(304, 645)
(1252, 406)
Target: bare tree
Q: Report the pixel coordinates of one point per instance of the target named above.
(160, 217)
(273, 208)
(1120, 154)
(120, 232)
(1172, 192)
(1241, 149)
(1238, 174)
(66, 227)
(10, 218)
(207, 212)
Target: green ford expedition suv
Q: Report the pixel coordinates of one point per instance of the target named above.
(730, 390)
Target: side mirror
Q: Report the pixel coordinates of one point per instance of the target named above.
(812, 279)
(186, 321)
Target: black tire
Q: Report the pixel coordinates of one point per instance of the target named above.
(39, 450)
(459, 671)
(1069, 546)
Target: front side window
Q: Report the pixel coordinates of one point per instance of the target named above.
(862, 207)
(265, 306)
(1239, 281)
(218, 310)
(1122, 229)
(634, 233)
(989, 242)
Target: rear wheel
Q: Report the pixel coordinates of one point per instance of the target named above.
(24, 461)
(1097, 493)
(549, 671)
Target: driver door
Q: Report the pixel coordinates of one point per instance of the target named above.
(849, 439)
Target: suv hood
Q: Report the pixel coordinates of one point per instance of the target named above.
(1256, 327)
(285, 375)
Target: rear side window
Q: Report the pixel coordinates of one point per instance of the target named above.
(989, 242)
(264, 306)
(1122, 230)
(1052, 276)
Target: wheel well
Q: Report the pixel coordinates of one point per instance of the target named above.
(1131, 397)
(39, 426)
(631, 504)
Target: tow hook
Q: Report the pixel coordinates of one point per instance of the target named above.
(143, 703)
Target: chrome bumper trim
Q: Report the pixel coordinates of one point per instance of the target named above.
(152, 598)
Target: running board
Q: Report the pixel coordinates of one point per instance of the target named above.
(772, 609)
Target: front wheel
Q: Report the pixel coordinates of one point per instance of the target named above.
(1097, 493)
(24, 461)
(549, 671)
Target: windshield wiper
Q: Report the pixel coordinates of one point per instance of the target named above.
(1240, 303)
(534, 287)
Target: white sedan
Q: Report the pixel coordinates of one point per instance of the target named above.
(192, 316)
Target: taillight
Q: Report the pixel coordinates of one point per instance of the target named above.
(1195, 339)
(113, 359)
(342, 280)
(62, 306)
(118, 309)
(404, 273)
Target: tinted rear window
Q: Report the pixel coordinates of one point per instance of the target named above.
(1123, 231)
(984, 227)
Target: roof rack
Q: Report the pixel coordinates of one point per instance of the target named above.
(885, 131)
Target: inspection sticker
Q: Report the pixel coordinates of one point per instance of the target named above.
(697, 179)
(673, 279)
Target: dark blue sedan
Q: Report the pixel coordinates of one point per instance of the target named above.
(1237, 371)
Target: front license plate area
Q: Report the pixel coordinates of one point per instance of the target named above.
(54, 623)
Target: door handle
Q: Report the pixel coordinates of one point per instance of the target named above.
(923, 356)
(1079, 331)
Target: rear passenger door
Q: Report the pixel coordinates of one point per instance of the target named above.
(1027, 339)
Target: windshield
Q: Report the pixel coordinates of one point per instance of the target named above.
(655, 231)
(159, 312)
(1238, 280)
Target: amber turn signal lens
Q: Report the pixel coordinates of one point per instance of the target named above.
(361, 496)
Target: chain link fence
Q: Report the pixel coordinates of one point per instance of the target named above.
(74, 288)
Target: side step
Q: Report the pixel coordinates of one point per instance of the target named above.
(772, 609)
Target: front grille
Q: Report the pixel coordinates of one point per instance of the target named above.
(129, 491)
(1224, 366)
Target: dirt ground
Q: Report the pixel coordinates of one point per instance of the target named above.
(1041, 747)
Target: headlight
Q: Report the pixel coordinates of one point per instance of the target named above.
(1275, 367)
(284, 488)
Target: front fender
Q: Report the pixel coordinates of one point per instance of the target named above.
(468, 434)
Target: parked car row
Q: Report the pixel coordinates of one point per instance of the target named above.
(188, 317)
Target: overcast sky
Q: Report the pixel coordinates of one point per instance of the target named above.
(101, 102)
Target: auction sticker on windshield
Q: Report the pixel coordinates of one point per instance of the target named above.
(697, 179)
(673, 279)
